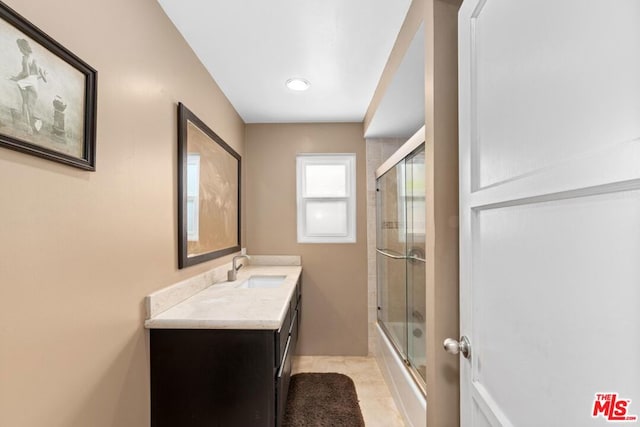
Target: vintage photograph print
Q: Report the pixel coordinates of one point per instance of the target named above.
(47, 95)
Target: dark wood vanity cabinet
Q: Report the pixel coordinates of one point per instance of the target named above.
(223, 377)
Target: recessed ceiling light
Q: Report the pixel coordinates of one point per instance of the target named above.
(298, 84)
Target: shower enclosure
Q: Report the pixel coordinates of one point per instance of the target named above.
(400, 247)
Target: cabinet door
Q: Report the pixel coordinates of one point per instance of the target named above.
(212, 378)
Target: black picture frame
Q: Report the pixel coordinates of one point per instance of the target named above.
(229, 173)
(55, 92)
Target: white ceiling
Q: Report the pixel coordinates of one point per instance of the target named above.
(251, 47)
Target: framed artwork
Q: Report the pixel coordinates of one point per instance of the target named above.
(208, 193)
(47, 95)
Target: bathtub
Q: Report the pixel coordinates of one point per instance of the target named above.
(408, 397)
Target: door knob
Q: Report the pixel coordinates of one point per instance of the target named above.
(463, 346)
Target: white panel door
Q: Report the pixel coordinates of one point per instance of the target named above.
(550, 212)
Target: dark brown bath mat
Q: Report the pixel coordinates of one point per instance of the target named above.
(319, 400)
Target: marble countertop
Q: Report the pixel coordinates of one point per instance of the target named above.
(225, 306)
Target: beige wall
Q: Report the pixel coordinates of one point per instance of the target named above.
(441, 109)
(441, 149)
(334, 277)
(412, 21)
(80, 250)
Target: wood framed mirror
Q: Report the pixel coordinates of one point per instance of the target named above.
(208, 192)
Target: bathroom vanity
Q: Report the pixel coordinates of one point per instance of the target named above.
(222, 357)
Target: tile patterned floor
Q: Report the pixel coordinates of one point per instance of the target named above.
(378, 407)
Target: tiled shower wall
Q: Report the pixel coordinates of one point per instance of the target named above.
(378, 150)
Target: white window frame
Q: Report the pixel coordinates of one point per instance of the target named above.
(349, 161)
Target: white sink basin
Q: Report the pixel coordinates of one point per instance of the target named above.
(257, 282)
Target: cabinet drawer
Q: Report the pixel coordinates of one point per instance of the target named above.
(295, 324)
(281, 337)
(295, 298)
(282, 382)
(293, 304)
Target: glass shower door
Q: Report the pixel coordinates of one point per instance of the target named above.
(416, 279)
(391, 255)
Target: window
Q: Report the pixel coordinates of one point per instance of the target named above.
(326, 198)
(193, 196)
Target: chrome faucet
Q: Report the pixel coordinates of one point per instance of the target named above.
(232, 274)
